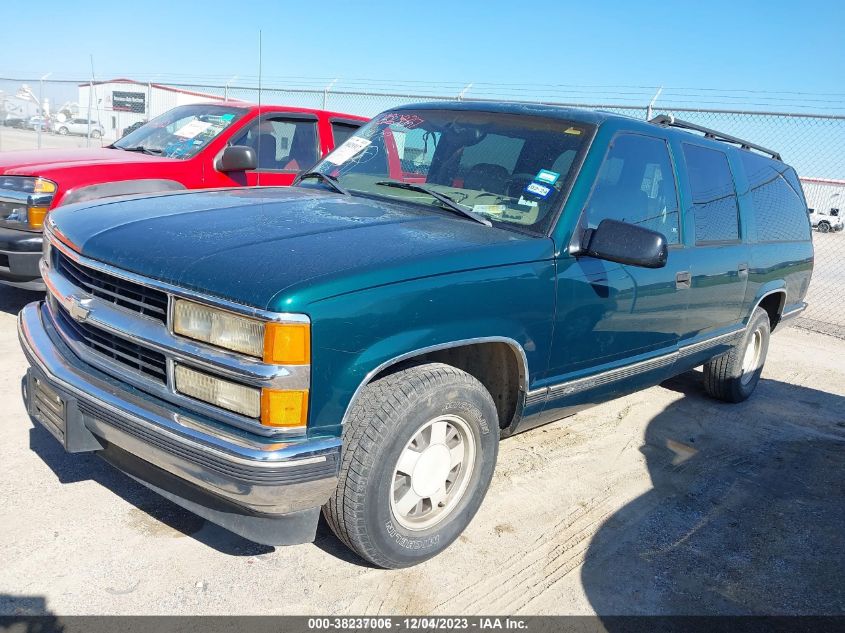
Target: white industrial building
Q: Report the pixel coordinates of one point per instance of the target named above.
(119, 103)
(824, 194)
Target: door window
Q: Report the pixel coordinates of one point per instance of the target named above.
(636, 184)
(713, 194)
(282, 144)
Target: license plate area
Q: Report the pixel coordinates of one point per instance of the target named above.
(49, 408)
(59, 414)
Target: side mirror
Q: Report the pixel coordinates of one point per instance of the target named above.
(237, 158)
(625, 243)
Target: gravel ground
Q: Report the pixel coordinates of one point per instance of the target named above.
(17, 139)
(663, 502)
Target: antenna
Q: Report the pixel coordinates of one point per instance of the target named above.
(258, 127)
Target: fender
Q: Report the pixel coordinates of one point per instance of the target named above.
(120, 188)
(516, 347)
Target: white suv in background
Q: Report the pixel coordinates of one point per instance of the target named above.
(828, 221)
(80, 127)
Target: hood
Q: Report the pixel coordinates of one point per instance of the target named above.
(44, 162)
(258, 246)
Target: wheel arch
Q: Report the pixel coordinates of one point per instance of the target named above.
(508, 388)
(772, 300)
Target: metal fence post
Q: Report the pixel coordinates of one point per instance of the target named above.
(326, 93)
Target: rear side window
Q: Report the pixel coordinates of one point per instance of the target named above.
(342, 131)
(636, 184)
(713, 194)
(779, 209)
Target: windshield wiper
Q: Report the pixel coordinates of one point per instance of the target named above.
(138, 148)
(325, 178)
(443, 199)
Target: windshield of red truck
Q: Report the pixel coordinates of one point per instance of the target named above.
(181, 132)
(512, 169)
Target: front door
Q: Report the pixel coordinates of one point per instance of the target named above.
(612, 315)
(285, 145)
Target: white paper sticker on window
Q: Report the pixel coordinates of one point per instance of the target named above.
(192, 129)
(346, 151)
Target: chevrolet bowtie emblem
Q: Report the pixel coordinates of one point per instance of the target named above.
(79, 308)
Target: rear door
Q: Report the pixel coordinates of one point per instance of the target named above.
(718, 259)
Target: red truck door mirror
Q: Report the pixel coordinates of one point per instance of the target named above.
(237, 158)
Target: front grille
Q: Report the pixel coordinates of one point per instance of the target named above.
(121, 350)
(141, 299)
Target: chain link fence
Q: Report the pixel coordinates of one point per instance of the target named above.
(93, 114)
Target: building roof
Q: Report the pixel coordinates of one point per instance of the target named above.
(145, 84)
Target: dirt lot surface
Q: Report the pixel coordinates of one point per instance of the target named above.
(18, 139)
(661, 502)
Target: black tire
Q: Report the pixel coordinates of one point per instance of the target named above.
(824, 227)
(62, 131)
(724, 376)
(95, 134)
(386, 417)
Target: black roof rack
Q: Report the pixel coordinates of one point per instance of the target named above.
(669, 120)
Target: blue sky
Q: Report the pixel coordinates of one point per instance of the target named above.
(775, 46)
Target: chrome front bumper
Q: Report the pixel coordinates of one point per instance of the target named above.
(266, 490)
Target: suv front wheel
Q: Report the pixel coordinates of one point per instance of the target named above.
(419, 452)
(824, 227)
(732, 376)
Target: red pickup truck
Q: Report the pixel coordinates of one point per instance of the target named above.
(190, 147)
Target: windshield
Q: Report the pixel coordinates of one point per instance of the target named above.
(181, 132)
(508, 168)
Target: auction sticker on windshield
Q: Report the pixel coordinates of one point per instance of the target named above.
(192, 129)
(347, 150)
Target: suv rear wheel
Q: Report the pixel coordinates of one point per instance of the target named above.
(419, 452)
(95, 134)
(732, 376)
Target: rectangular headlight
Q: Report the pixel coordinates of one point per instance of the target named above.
(218, 327)
(274, 343)
(218, 392)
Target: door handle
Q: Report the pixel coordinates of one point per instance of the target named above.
(683, 279)
(743, 269)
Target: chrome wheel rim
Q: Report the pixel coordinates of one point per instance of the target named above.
(432, 472)
(751, 358)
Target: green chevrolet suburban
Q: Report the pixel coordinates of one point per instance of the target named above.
(452, 274)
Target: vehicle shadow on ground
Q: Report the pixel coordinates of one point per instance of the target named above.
(746, 514)
(70, 468)
(13, 299)
(27, 614)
